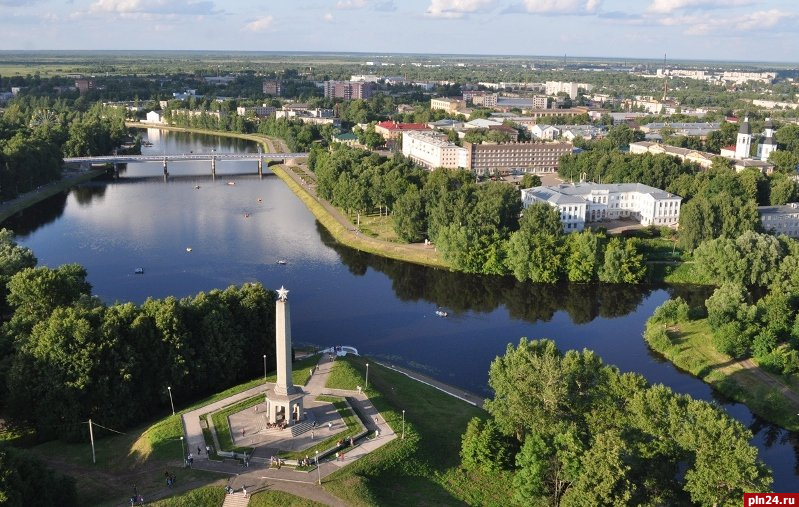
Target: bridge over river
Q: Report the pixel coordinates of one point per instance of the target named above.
(212, 156)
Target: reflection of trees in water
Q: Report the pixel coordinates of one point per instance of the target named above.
(461, 292)
(42, 213)
(85, 194)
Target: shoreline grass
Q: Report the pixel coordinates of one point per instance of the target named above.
(689, 346)
(28, 199)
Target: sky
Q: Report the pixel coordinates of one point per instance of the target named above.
(751, 30)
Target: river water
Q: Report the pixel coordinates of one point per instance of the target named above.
(238, 226)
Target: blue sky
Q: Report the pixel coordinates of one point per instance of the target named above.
(696, 29)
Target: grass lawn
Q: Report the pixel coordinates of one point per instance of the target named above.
(141, 454)
(350, 419)
(222, 428)
(207, 496)
(417, 470)
(272, 498)
(416, 254)
(690, 347)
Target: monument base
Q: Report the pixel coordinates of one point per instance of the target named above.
(284, 409)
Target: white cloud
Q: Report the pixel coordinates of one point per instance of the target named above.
(259, 25)
(561, 6)
(328, 17)
(452, 9)
(704, 25)
(669, 6)
(378, 5)
(150, 9)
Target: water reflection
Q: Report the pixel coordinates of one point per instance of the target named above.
(530, 302)
(45, 212)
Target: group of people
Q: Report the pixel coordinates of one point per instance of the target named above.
(281, 425)
(275, 462)
(170, 479)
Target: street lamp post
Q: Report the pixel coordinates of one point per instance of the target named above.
(182, 450)
(367, 376)
(169, 388)
(318, 472)
(403, 424)
(264, 367)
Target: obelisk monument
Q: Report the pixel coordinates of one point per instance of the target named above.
(284, 400)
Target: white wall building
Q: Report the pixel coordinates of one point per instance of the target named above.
(780, 219)
(555, 87)
(432, 150)
(154, 117)
(592, 202)
(767, 145)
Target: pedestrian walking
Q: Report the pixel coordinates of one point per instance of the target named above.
(352, 444)
(207, 450)
(330, 425)
(199, 451)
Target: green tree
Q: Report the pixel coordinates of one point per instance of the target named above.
(485, 448)
(409, 216)
(530, 180)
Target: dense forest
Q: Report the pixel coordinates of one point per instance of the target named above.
(565, 429)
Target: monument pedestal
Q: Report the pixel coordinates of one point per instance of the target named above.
(284, 408)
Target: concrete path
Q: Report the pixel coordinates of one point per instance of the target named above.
(258, 476)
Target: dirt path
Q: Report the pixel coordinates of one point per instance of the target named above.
(767, 378)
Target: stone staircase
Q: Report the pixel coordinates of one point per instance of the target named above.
(237, 499)
(301, 428)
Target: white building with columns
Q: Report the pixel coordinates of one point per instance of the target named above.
(582, 203)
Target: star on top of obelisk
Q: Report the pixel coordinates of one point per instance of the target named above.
(282, 293)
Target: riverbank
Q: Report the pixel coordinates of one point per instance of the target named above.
(689, 346)
(19, 203)
(338, 225)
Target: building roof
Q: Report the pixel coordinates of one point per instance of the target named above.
(394, 126)
(588, 188)
(791, 207)
(745, 127)
(769, 124)
(347, 136)
(553, 196)
(481, 123)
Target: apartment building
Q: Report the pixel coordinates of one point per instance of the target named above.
(348, 90)
(488, 158)
(432, 150)
(272, 87)
(451, 106)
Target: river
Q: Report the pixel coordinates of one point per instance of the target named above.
(238, 226)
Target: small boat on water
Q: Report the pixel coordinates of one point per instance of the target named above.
(441, 313)
(188, 249)
(138, 271)
(282, 262)
(260, 200)
(231, 183)
(246, 215)
(196, 187)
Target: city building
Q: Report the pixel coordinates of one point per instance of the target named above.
(556, 87)
(347, 138)
(84, 85)
(432, 150)
(348, 90)
(154, 117)
(392, 130)
(702, 158)
(491, 158)
(451, 106)
(261, 111)
(767, 145)
(544, 131)
(744, 140)
(272, 87)
(446, 124)
(780, 219)
(583, 203)
(365, 78)
(698, 129)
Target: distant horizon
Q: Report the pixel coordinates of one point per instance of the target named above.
(705, 30)
(366, 54)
